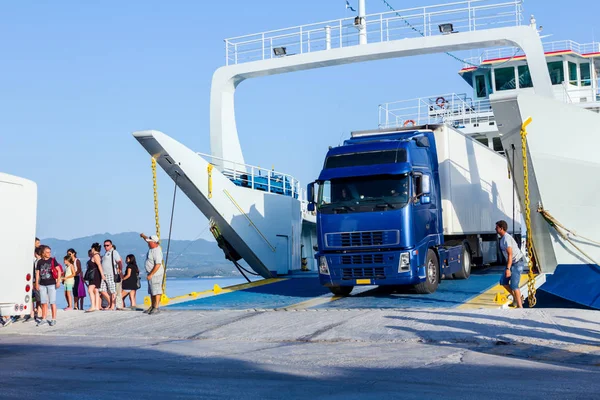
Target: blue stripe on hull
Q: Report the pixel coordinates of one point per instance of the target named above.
(575, 282)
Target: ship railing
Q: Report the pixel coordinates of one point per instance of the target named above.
(549, 47)
(257, 178)
(464, 16)
(443, 108)
(571, 93)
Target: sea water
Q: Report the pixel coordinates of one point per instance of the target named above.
(175, 287)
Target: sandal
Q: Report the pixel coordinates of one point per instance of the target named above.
(91, 310)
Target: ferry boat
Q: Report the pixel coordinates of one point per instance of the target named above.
(261, 215)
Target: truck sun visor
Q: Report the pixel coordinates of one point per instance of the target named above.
(366, 158)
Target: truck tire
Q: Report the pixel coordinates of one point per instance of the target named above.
(341, 290)
(432, 271)
(465, 269)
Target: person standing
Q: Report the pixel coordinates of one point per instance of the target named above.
(514, 263)
(68, 281)
(130, 280)
(36, 303)
(47, 280)
(112, 267)
(79, 285)
(155, 270)
(94, 276)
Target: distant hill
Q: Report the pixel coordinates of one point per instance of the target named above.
(187, 258)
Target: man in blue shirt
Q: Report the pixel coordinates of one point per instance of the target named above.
(514, 263)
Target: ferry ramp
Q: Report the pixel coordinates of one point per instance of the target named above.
(304, 292)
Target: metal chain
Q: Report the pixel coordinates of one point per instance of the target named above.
(155, 187)
(531, 280)
(156, 218)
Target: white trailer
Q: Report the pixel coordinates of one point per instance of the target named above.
(475, 184)
(18, 204)
(476, 191)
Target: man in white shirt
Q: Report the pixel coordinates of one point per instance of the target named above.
(112, 266)
(154, 268)
(514, 263)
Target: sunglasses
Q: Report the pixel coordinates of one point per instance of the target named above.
(107, 245)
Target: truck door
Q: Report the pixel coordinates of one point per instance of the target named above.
(425, 221)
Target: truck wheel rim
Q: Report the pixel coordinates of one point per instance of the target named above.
(431, 272)
(467, 261)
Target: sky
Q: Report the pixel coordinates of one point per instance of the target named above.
(77, 78)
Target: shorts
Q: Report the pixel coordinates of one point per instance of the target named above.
(69, 287)
(108, 285)
(515, 275)
(155, 285)
(48, 294)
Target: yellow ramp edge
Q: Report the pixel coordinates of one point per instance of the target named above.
(487, 298)
(216, 290)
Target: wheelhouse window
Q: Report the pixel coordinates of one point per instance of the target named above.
(556, 71)
(504, 78)
(584, 71)
(480, 87)
(360, 194)
(572, 73)
(524, 77)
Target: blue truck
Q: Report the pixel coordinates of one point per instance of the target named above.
(407, 207)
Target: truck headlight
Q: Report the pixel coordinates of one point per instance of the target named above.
(404, 264)
(323, 267)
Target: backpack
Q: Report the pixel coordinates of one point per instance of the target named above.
(55, 267)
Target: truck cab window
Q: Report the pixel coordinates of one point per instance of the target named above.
(362, 194)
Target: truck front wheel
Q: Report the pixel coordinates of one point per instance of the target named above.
(432, 270)
(341, 290)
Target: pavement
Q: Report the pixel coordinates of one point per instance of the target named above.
(326, 353)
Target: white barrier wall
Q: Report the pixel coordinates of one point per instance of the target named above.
(564, 172)
(264, 228)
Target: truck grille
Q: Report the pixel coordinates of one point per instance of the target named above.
(360, 273)
(361, 259)
(362, 239)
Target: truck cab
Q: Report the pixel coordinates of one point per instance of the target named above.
(379, 218)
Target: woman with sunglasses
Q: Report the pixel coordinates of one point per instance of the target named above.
(79, 285)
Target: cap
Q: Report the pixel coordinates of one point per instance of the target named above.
(152, 238)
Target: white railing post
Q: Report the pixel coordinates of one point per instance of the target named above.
(226, 52)
(269, 182)
(381, 27)
(471, 18)
(263, 45)
(252, 177)
(301, 49)
(235, 59)
(387, 30)
(308, 42)
(328, 38)
(340, 28)
(271, 47)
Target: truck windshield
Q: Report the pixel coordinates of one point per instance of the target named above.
(360, 194)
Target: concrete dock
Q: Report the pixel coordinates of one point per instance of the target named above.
(308, 353)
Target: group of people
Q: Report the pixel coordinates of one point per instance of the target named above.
(108, 282)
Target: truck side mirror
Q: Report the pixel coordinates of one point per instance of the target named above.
(310, 193)
(310, 207)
